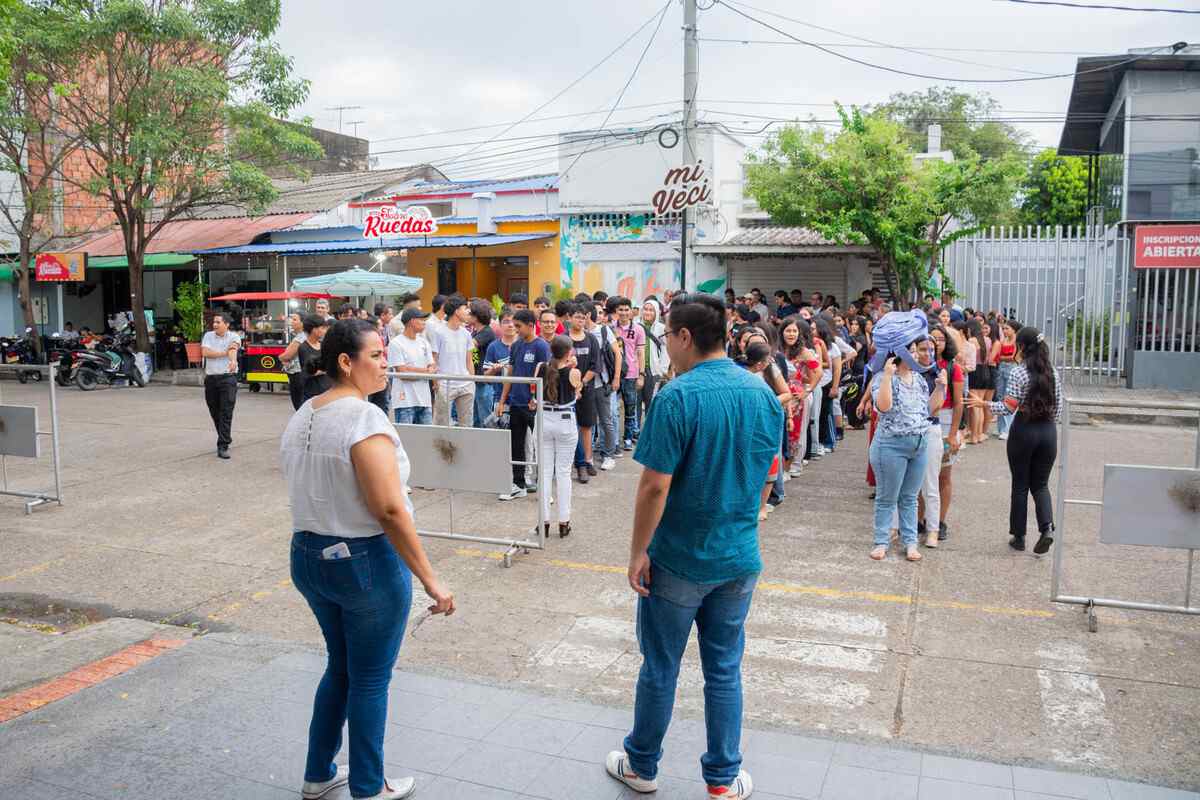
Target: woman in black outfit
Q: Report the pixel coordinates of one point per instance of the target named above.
(1034, 395)
(315, 380)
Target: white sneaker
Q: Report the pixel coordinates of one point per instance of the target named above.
(398, 789)
(513, 493)
(797, 469)
(316, 790)
(1003, 437)
(607, 464)
(741, 788)
(617, 765)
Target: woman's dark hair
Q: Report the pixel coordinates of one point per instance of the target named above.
(313, 321)
(806, 331)
(757, 353)
(975, 331)
(791, 351)
(950, 351)
(344, 336)
(830, 300)
(1012, 323)
(993, 329)
(1040, 399)
(824, 331)
(559, 347)
(704, 318)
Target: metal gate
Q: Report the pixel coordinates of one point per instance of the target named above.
(1073, 283)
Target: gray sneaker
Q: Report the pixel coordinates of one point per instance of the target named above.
(316, 790)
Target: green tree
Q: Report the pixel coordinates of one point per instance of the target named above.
(1054, 191)
(963, 116)
(181, 109)
(33, 143)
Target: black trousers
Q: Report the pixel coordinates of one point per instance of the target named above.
(220, 392)
(520, 423)
(823, 421)
(296, 389)
(1032, 449)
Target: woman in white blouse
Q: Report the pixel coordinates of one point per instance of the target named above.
(355, 551)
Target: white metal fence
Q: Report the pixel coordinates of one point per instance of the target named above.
(1073, 283)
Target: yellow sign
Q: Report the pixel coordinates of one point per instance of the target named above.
(268, 362)
(59, 266)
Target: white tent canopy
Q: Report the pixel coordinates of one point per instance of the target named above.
(358, 282)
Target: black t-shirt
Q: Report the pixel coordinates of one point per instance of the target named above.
(587, 353)
(483, 338)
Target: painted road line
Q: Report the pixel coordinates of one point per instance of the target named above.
(79, 679)
(812, 591)
(36, 568)
(1073, 707)
(234, 607)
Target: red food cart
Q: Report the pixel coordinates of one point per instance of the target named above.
(265, 339)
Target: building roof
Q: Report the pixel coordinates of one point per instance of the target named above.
(629, 251)
(1097, 80)
(546, 182)
(505, 218)
(778, 239)
(325, 192)
(192, 235)
(361, 245)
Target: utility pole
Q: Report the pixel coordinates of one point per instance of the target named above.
(340, 109)
(691, 80)
(356, 123)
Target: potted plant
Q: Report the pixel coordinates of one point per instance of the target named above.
(189, 304)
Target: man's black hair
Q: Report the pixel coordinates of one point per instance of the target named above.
(542, 300)
(347, 308)
(703, 316)
(452, 304)
(379, 309)
(481, 310)
(743, 311)
(526, 316)
(410, 297)
(518, 297)
(439, 300)
(562, 308)
(599, 296)
(781, 293)
(583, 297)
(624, 301)
(610, 305)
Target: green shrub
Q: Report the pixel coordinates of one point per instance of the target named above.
(189, 304)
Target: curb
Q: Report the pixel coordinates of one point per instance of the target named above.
(1186, 421)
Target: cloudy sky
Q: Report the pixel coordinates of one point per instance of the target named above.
(430, 75)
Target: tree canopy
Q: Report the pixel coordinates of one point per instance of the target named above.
(964, 117)
(1054, 191)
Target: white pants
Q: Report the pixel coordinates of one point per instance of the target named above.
(560, 432)
(933, 468)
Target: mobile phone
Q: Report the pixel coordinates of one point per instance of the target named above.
(336, 551)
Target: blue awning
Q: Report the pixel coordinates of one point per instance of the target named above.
(367, 245)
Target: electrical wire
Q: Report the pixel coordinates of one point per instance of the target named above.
(592, 69)
(661, 16)
(925, 76)
(1102, 7)
(914, 48)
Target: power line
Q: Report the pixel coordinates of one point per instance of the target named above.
(925, 76)
(661, 16)
(1101, 7)
(920, 48)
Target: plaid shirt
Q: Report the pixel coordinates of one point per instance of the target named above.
(1018, 387)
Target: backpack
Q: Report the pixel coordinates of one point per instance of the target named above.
(606, 352)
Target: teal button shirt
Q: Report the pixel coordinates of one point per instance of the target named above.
(715, 429)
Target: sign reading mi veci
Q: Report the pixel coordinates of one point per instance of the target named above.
(1166, 247)
(59, 266)
(683, 187)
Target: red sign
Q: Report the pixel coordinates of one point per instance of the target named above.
(59, 266)
(1166, 246)
(393, 221)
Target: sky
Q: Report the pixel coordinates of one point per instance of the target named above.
(423, 72)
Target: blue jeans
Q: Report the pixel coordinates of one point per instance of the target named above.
(899, 464)
(414, 415)
(1003, 421)
(664, 621)
(361, 604)
(606, 427)
(485, 403)
(629, 397)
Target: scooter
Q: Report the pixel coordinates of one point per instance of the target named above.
(20, 351)
(111, 363)
(63, 351)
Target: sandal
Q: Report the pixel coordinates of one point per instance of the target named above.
(913, 553)
(879, 553)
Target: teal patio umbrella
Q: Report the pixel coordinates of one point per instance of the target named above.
(358, 282)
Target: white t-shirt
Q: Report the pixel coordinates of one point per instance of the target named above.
(432, 326)
(414, 352)
(218, 366)
(315, 454)
(451, 348)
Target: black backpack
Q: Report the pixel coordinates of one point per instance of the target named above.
(606, 352)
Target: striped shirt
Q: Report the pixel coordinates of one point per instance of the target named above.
(1018, 388)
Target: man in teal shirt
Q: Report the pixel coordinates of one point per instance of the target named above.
(706, 451)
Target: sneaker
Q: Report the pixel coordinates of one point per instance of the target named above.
(583, 475)
(395, 789)
(741, 788)
(617, 765)
(222, 452)
(591, 470)
(797, 469)
(1003, 437)
(804, 462)
(1017, 543)
(1044, 541)
(315, 790)
(617, 453)
(628, 446)
(607, 464)
(787, 476)
(513, 493)
(821, 450)
(943, 532)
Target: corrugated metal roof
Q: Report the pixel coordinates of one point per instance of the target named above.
(195, 235)
(325, 192)
(545, 181)
(778, 237)
(628, 251)
(367, 245)
(506, 218)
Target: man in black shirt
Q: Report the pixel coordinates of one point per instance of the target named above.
(480, 320)
(587, 351)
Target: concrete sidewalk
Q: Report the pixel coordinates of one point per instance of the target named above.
(225, 716)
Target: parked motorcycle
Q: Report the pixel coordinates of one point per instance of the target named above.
(111, 363)
(20, 351)
(63, 351)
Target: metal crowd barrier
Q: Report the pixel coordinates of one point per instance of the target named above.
(1145, 505)
(434, 450)
(19, 437)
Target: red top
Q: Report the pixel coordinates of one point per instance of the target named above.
(956, 376)
(1007, 350)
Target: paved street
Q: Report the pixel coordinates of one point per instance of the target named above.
(961, 655)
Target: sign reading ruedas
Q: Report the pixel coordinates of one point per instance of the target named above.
(683, 187)
(59, 266)
(395, 221)
(1166, 247)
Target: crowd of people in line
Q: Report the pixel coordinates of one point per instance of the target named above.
(768, 390)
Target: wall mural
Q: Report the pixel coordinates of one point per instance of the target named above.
(577, 234)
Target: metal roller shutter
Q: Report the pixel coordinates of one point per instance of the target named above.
(824, 275)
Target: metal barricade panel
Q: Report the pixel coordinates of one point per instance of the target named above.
(22, 427)
(1151, 506)
(18, 432)
(463, 459)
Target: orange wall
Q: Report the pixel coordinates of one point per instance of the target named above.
(543, 255)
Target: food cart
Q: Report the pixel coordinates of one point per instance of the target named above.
(265, 338)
